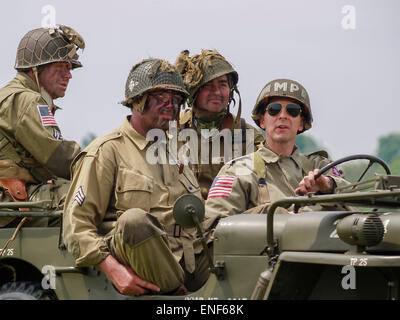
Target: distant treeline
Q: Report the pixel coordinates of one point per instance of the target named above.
(388, 150)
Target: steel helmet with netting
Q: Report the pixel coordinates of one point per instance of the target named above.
(47, 45)
(152, 74)
(199, 69)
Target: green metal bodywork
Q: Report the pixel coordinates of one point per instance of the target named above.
(303, 251)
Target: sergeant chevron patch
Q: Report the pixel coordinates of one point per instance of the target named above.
(79, 196)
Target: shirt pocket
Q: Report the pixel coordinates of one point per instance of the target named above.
(133, 190)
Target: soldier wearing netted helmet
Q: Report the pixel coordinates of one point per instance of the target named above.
(119, 208)
(34, 157)
(277, 169)
(213, 84)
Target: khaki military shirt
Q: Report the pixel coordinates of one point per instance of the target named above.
(235, 190)
(208, 166)
(27, 120)
(111, 176)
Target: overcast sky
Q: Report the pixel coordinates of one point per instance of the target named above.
(345, 53)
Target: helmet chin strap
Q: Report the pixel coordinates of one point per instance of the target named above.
(36, 74)
(47, 98)
(239, 114)
(43, 92)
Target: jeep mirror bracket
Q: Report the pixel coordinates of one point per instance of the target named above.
(189, 212)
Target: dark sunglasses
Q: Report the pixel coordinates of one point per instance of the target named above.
(291, 108)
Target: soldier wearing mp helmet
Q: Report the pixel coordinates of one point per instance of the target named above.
(34, 157)
(277, 170)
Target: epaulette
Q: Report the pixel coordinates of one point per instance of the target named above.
(94, 146)
(238, 159)
(322, 153)
(11, 91)
(307, 164)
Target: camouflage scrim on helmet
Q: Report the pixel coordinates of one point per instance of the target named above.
(152, 74)
(283, 88)
(46, 45)
(199, 69)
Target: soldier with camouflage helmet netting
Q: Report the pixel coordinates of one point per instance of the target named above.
(119, 208)
(34, 157)
(212, 84)
(277, 170)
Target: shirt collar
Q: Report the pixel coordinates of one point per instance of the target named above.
(271, 157)
(133, 135)
(31, 84)
(27, 81)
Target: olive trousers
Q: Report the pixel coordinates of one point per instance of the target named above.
(141, 243)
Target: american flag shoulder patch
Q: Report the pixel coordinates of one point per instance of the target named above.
(221, 187)
(336, 172)
(46, 116)
(79, 196)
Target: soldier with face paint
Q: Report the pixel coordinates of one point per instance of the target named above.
(118, 215)
(277, 170)
(34, 157)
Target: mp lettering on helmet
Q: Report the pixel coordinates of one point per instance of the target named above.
(284, 88)
(294, 87)
(278, 86)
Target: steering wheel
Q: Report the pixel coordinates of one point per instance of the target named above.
(372, 160)
(270, 213)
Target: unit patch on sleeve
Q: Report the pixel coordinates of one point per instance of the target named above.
(57, 134)
(46, 116)
(221, 187)
(336, 172)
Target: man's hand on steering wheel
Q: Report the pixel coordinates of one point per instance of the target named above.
(310, 183)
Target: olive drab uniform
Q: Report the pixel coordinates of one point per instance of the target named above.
(113, 180)
(250, 183)
(34, 158)
(28, 129)
(197, 70)
(207, 169)
(122, 194)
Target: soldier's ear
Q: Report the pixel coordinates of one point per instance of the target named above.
(301, 125)
(262, 121)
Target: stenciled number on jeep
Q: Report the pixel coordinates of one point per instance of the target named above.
(334, 232)
(359, 262)
(7, 252)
